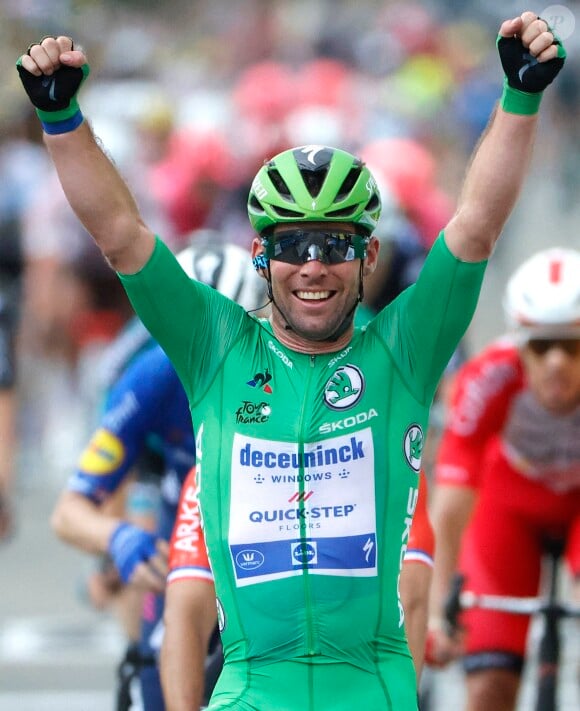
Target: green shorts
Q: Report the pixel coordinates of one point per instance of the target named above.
(307, 686)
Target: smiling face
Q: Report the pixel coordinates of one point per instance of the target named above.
(312, 301)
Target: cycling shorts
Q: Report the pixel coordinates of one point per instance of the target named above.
(503, 548)
(303, 686)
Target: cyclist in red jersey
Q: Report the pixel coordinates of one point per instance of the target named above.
(190, 611)
(190, 614)
(416, 574)
(508, 472)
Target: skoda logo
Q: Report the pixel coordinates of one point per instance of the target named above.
(344, 388)
(413, 446)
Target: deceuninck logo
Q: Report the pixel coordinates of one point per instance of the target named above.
(413, 446)
(344, 388)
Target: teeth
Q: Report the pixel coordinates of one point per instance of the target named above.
(313, 295)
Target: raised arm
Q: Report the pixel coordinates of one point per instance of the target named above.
(531, 59)
(52, 71)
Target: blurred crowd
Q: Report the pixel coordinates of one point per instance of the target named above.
(189, 99)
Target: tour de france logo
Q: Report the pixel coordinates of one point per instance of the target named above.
(413, 446)
(344, 388)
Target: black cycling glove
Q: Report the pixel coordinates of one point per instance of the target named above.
(55, 96)
(525, 77)
(56, 92)
(523, 71)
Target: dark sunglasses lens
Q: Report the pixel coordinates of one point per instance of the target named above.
(339, 248)
(300, 247)
(288, 249)
(541, 346)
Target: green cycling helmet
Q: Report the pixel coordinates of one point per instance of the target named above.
(314, 184)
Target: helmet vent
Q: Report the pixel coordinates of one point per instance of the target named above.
(349, 182)
(314, 179)
(280, 184)
(283, 212)
(343, 212)
(373, 204)
(254, 203)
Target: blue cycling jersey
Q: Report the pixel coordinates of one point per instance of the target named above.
(147, 402)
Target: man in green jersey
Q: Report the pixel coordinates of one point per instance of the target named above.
(310, 432)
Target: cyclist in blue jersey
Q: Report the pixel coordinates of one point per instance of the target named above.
(146, 411)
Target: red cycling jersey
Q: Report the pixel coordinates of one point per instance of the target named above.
(188, 556)
(187, 551)
(421, 543)
(525, 464)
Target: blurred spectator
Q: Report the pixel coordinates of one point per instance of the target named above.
(19, 148)
(408, 169)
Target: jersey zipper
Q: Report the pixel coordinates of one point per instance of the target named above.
(311, 641)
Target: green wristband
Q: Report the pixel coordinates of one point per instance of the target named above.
(62, 115)
(71, 110)
(514, 101)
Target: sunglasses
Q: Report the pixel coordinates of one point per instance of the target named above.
(541, 346)
(301, 246)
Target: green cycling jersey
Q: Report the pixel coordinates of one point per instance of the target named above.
(308, 468)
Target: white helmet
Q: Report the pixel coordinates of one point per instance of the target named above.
(542, 297)
(225, 267)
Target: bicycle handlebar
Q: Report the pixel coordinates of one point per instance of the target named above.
(459, 600)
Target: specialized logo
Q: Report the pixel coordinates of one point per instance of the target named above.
(261, 380)
(371, 185)
(413, 446)
(531, 62)
(412, 496)
(311, 152)
(104, 453)
(259, 188)
(253, 412)
(249, 559)
(344, 388)
(368, 548)
(50, 83)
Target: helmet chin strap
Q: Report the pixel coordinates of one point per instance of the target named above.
(346, 322)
